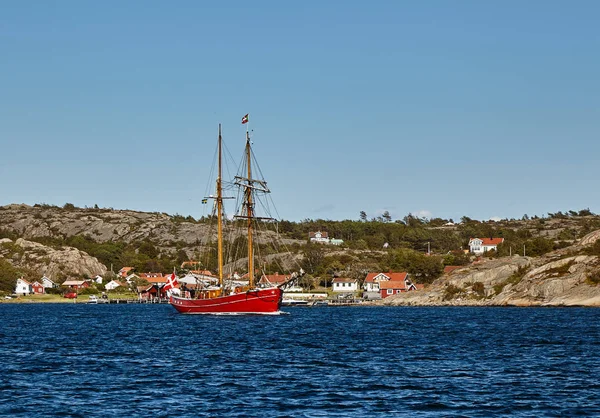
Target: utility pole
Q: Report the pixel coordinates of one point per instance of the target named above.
(428, 248)
(523, 250)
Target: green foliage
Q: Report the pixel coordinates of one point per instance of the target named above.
(593, 278)
(8, 276)
(478, 288)
(561, 270)
(594, 249)
(451, 292)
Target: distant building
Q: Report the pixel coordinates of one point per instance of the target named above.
(341, 284)
(153, 278)
(23, 287)
(37, 288)
(336, 241)
(47, 283)
(76, 284)
(113, 284)
(125, 271)
(373, 280)
(482, 245)
(319, 237)
(382, 285)
(273, 279)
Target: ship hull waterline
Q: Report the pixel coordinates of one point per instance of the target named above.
(252, 302)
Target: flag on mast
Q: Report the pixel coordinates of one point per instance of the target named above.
(245, 119)
(171, 282)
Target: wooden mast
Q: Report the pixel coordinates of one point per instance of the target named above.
(250, 214)
(220, 215)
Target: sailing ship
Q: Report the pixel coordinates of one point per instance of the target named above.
(235, 297)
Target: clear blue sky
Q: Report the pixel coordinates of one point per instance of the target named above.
(438, 108)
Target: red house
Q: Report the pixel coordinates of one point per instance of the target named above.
(37, 288)
(393, 287)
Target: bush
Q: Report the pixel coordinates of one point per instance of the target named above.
(594, 278)
(451, 292)
(478, 288)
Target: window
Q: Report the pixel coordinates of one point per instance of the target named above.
(390, 291)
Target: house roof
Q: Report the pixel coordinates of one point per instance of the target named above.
(392, 276)
(393, 284)
(343, 280)
(489, 241)
(115, 281)
(73, 282)
(202, 272)
(23, 280)
(322, 233)
(274, 278)
(155, 279)
(450, 269)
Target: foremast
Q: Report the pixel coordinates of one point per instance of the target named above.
(220, 214)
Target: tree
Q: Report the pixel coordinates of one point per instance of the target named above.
(386, 216)
(363, 216)
(313, 257)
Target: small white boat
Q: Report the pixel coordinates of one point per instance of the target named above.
(294, 302)
(93, 299)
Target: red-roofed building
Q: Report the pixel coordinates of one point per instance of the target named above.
(450, 269)
(273, 279)
(125, 271)
(373, 280)
(154, 278)
(319, 236)
(482, 245)
(393, 287)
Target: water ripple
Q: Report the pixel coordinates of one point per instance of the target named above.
(116, 360)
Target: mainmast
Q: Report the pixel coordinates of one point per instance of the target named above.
(249, 213)
(220, 215)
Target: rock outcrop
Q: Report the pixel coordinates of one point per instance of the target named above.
(559, 278)
(67, 262)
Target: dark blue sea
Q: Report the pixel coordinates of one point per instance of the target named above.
(146, 360)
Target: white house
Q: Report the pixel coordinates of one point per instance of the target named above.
(23, 287)
(336, 241)
(131, 277)
(319, 237)
(112, 285)
(341, 284)
(47, 283)
(98, 279)
(482, 245)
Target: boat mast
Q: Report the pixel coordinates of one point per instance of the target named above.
(249, 213)
(220, 215)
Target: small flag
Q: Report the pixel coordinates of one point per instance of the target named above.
(171, 282)
(245, 119)
(204, 201)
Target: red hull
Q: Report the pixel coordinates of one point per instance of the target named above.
(260, 301)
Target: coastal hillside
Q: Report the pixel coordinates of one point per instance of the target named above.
(540, 259)
(566, 277)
